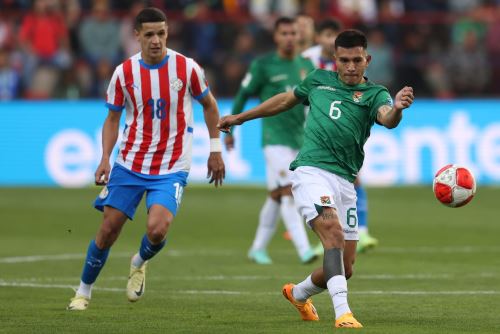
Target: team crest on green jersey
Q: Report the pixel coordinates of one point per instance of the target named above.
(325, 200)
(357, 96)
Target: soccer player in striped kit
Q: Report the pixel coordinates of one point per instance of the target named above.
(156, 87)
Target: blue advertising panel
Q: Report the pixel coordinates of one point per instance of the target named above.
(59, 144)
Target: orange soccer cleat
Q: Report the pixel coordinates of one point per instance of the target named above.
(306, 309)
(347, 321)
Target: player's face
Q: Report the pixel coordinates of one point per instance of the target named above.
(153, 39)
(286, 38)
(305, 28)
(351, 64)
(327, 40)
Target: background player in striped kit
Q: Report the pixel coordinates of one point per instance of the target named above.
(323, 56)
(156, 87)
(282, 136)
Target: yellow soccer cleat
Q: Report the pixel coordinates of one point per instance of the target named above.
(347, 321)
(136, 282)
(306, 309)
(365, 242)
(78, 303)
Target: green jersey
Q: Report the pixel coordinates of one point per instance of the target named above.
(338, 123)
(268, 76)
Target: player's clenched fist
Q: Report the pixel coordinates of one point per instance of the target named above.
(404, 98)
(226, 122)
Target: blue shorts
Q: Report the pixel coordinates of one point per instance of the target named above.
(125, 189)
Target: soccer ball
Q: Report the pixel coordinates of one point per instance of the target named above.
(454, 186)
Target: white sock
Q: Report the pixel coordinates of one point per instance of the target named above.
(84, 290)
(137, 260)
(305, 289)
(294, 225)
(268, 220)
(337, 287)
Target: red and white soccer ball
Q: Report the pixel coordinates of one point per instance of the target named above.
(454, 186)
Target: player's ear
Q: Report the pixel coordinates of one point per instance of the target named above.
(368, 59)
(137, 34)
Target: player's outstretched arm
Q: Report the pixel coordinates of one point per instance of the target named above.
(273, 106)
(215, 165)
(109, 138)
(391, 116)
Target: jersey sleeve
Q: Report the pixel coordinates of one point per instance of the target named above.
(115, 99)
(304, 87)
(198, 85)
(382, 98)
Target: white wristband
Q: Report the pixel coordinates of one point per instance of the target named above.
(215, 145)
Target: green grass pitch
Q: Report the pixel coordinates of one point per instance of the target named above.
(437, 270)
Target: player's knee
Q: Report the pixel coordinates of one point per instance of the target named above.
(157, 232)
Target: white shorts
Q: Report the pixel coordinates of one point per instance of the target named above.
(314, 188)
(278, 160)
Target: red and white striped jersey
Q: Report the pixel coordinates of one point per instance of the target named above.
(157, 98)
(314, 55)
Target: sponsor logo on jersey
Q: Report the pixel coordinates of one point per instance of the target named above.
(357, 96)
(327, 88)
(325, 200)
(279, 77)
(176, 84)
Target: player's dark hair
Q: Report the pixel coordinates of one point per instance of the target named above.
(350, 39)
(147, 15)
(283, 20)
(328, 24)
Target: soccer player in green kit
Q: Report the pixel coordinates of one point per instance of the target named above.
(344, 105)
(282, 136)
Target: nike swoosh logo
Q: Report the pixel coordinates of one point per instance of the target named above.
(141, 290)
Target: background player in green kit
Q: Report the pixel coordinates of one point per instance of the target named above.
(343, 108)
(282, 135)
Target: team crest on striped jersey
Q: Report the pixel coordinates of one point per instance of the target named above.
(357, 96)
(176, 84)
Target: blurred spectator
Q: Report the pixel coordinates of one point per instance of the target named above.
(265, 10)
(493, 50)
(421, 37)
(236, 64)
(6, 33)
(201, 33)
(468, 66)
(99, 35)
(127, 35)
(411, 63)
(44, 40)
(72, 12)
(9, 78)
(358, 10)
(381, 68)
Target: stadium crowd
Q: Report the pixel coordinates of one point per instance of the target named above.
(67, 49)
